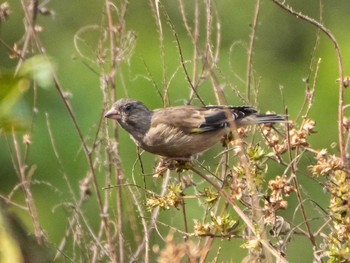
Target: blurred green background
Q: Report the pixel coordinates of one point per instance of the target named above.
(282, 55)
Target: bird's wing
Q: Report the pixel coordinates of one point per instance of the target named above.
(192, 119)
(216, 116)
(184, 118)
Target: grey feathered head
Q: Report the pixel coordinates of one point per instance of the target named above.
(132, 115)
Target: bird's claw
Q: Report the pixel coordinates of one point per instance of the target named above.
(178, 164)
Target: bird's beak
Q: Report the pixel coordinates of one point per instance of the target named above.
(112, 114)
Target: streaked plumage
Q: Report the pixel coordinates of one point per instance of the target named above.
(181, 131)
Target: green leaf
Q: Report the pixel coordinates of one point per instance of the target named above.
(11, 91)
(40, 69)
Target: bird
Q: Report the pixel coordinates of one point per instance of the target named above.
(182, 131)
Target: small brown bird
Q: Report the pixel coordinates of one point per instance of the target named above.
(182, 131)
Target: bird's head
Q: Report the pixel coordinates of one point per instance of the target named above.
(131, 114)
(124, 109)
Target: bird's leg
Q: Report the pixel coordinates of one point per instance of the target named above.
(226, 139)
(178, 164)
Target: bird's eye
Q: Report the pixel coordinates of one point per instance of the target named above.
(127, 107)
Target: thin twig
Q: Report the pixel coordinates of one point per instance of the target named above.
(183, 205)
(153, 222)
(293, 165)
(156, 11)
(194, 38)
(39, 234)
(194, 90)
(249, 72)
(9, 201)
(309, 92)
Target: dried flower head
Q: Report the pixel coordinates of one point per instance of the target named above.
(177, 251)
(26, 139)
(280, 187)
(237, 188)
(4, 11)
(281, 184)
(273, 140)
(326, 164)
(15, 52)
(201, 229)
(280, 148)
(298, 138)
(346, 123)
(308, 126)
(243, 131)
(346, 81)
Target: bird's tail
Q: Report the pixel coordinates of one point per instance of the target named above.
(269, 118)
(263, 119)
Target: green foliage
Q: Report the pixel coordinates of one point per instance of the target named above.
(224, 223)
(171, 199)
(16, 246)
(13, 109)
(11, 90)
